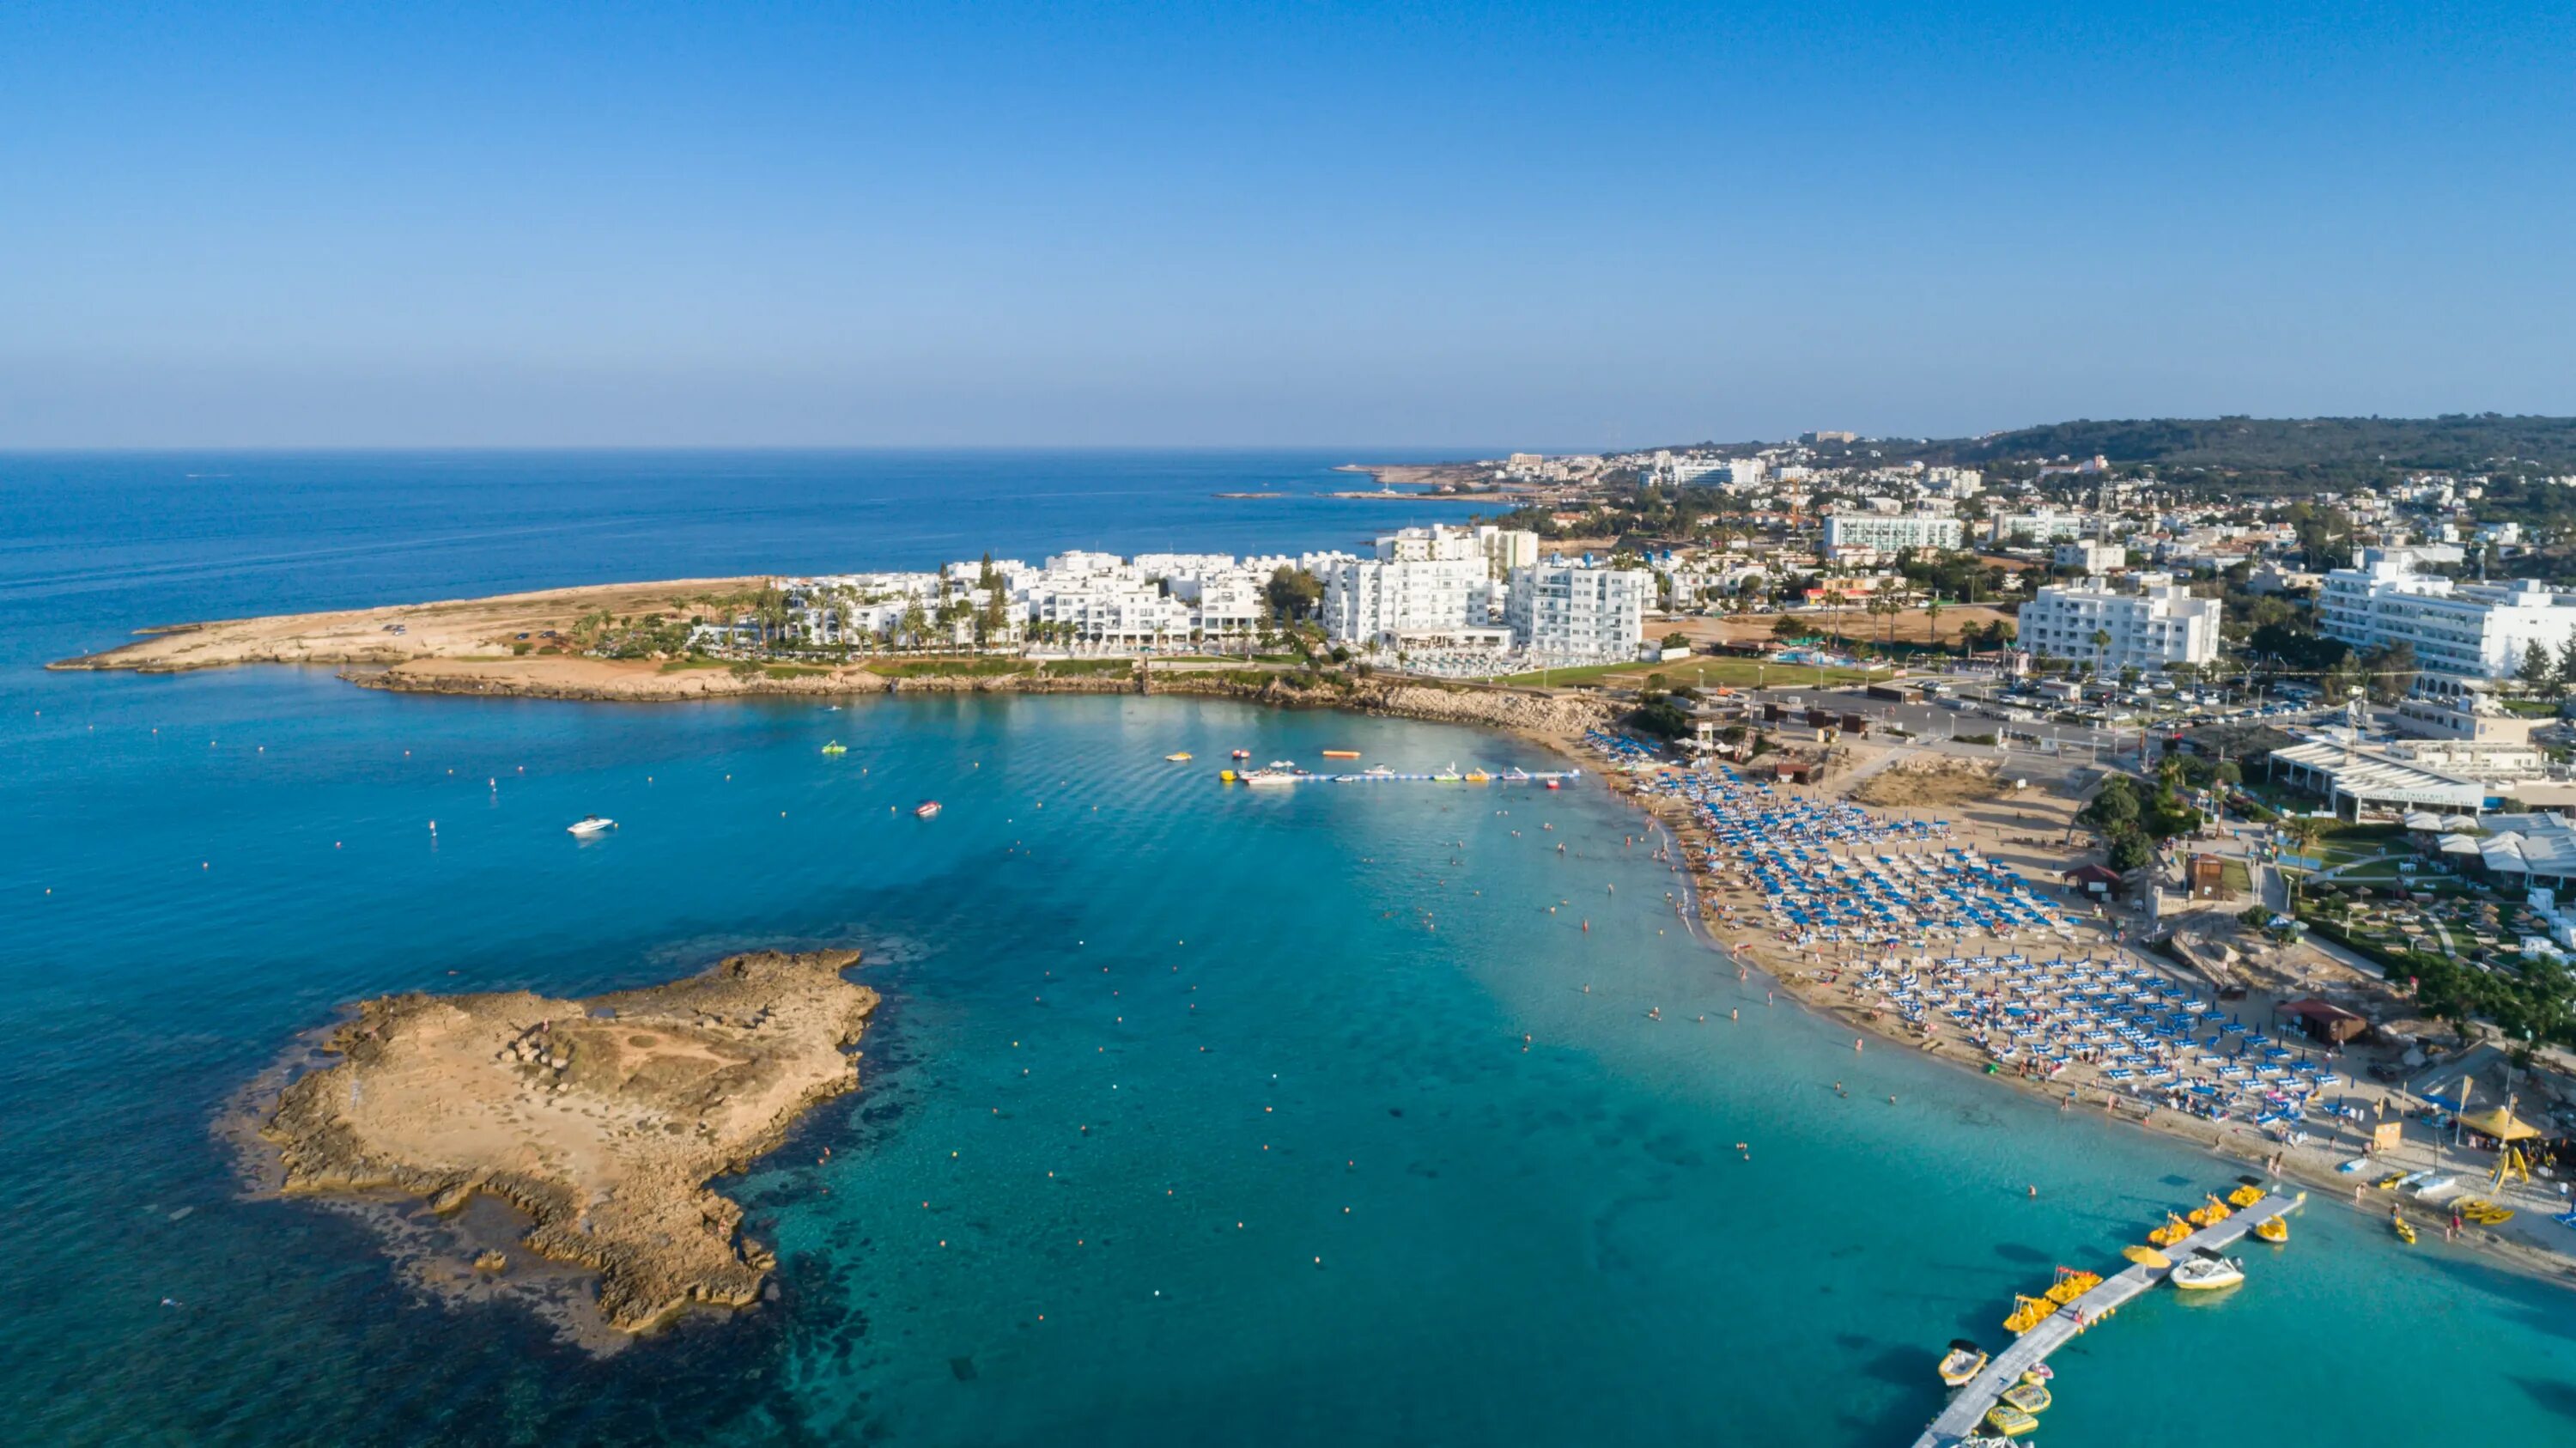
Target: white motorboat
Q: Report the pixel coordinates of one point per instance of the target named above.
(2207, 1273)
(1961, 1364)
(591, 825)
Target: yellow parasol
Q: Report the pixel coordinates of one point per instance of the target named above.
(2146, 1256)
(2501, 1124)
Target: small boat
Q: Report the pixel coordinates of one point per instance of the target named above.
(590, 825)
(1181, 758)
(926, 809)
(2208, 1273)
(836, 747)
(2275, 1230)
(1516, 775)
(1377, 771)
(1477, 776)
(2431, 1185)
(1447, 776)
(1961, 1364)
(2245, 1196)
(1341, 754)
(2010, 1421)
(1242, 754)
(2039, 1373)
(2029, 1397)
(2354, 1165)
(1277, 771)
(2405, 1231)
(1552, 784)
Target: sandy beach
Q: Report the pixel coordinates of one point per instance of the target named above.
(2028, 831)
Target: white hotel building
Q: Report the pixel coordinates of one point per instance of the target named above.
(1428, 587)
(2464, 630)
(2158, 625)
(1890, 532)
(1561, 610)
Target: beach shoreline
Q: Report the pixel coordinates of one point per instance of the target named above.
(2310, 1167)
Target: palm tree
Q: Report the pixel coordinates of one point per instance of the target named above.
(2101, 644)
(1932, 620)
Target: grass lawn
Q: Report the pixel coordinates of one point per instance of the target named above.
(1064, 668)
(1698, 672)
(973, 666)
(675, 666)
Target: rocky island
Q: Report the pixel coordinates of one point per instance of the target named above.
(601, 1119)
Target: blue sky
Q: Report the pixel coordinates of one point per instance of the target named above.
(1523, 225)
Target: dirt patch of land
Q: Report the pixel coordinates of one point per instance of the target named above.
(602, 1119)
(473, 629)
(1931, 780)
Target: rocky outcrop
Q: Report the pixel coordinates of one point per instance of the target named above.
(601, 1119)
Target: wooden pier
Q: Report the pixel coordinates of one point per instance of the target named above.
(1966, 1413)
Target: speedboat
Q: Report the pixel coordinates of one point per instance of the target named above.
(1961, 1364)
(2208, 1273)
(2275, 1230)
(926, 809)
(2010, 1421)
(2029, 1397)
(1277, 771)
(1181, 758)
(591, 825)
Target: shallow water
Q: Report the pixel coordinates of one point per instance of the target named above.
(1150, 1049)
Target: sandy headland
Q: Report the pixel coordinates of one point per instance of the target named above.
(520, 646)
(601, 1119)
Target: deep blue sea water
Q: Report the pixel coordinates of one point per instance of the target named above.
(1150, 1049)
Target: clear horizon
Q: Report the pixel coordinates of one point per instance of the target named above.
(1267, 226)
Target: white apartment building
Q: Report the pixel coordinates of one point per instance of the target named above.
(2092, 555)
(1424, 583)
(1506, 549)
(2158, 625)
(1890, 531)
(2464, 630)
(2046, 526)
(1561, 610)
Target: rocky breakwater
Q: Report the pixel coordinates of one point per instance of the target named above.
(602, 1119)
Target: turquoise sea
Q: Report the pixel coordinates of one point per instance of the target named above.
(1192, 1115)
